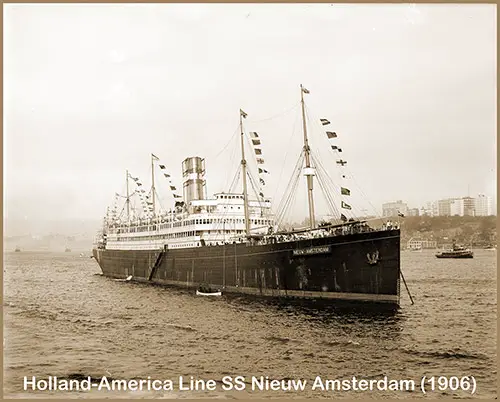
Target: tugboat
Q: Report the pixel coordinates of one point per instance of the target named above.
(456, 252)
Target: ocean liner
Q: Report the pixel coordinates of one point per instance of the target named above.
(233, 243)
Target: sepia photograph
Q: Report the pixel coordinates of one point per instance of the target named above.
(250, 200)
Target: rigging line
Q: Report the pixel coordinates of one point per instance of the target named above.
(228, 171)
(293, 199)
(324, 192)
(291, 193)
(289, 185)
(230, 140)
(335, 211)
(275, 116)
(298, 164)
(328, 180)
(159, 200)
(286, 155)
(253, 184)
(323, 184)
(293, 188)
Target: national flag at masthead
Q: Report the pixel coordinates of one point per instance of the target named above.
(305, 90)
(243, 114)
(155, 157)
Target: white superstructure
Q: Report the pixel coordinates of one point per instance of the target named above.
(213, 221)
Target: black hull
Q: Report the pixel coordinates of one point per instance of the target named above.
(363, 267)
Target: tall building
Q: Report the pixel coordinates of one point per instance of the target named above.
(462, 206)
(444, 207)
(484, 205)
(393, 208)
(413, 212)
(430, 209)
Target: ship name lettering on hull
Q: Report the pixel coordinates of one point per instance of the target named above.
(312, 250)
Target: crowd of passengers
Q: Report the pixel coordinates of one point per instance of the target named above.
(325, 232)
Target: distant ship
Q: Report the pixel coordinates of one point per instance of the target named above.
(234, 243)
(67, 250)
(18, 249)
(456, 252)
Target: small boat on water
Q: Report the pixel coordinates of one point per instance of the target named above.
(456, 252)
(198, 293)
(18, 249)
(67, 250)
(207, 291)
(127, 279)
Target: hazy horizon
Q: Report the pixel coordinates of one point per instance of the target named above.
(92, 90)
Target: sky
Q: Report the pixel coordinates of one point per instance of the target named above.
(91, 90)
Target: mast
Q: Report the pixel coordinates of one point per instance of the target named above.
(128, 202)
(153, 183)
(308, 171)
(244, 172)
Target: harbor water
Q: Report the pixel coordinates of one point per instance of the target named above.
(62, 318)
